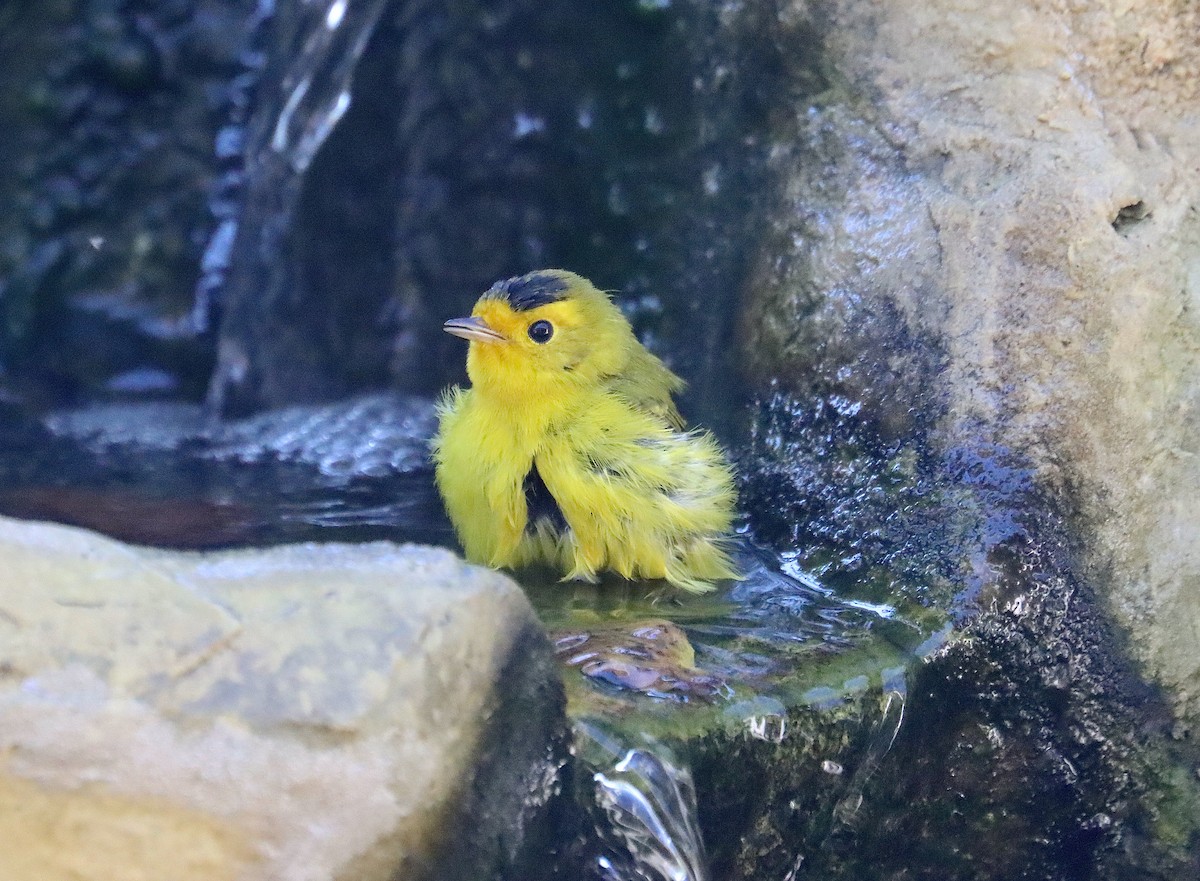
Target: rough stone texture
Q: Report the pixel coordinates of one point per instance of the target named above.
(111, 109)
(305, 712)
(1016, 189)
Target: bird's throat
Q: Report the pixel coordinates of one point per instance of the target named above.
(528, 402)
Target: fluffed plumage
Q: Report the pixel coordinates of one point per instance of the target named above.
(568, 449)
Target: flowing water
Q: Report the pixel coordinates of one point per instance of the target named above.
(301, 91)
(649, 805)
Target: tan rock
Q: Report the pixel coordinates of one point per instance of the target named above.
(1021, 184)
(304, 712)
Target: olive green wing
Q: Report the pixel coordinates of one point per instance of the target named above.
(648, 384)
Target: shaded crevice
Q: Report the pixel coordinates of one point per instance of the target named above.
(1129, 216)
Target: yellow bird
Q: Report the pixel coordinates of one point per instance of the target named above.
(567, 448)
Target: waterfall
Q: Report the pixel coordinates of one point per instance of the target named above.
(651, 827)
(300, 90)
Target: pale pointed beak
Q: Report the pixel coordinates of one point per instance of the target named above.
(472, 329)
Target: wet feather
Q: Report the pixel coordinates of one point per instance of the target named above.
(568, 449)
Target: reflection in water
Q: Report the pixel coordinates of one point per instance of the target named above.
(651, 657)
(779, 633)
(184, 524)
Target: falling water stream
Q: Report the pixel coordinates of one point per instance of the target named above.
(301, 93)
(649, 803)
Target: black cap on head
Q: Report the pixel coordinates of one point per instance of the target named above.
(530, 291)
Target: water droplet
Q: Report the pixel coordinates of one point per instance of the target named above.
(585, 116)
(216, 255)
(526, 124)
(229, 142)
(654, 122)
(336, 13)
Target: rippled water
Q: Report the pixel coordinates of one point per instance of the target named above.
(168, 476)
(638, 659)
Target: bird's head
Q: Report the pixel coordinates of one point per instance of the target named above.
(548, 330)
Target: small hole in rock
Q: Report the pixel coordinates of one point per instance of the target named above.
(1130, 215)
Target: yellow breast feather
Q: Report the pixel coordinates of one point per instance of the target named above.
(567, 449)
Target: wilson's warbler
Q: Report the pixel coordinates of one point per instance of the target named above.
(567, 448)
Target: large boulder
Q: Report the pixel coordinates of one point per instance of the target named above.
(989, 221)
(304, 712)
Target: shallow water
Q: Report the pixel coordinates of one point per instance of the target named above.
(644, 665)
(165, 475)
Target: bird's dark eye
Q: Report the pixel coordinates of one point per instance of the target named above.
(541, 331)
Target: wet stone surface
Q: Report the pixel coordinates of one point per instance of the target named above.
(480, 141)
(114, 107)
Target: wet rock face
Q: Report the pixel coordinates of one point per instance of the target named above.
(203, 715)
(985, 240)
(821, 478)
(110, 111)
(1015, 750)
(1025, 752)
(843, 302)
(1026, 747)
(482, 140)
(990, 224)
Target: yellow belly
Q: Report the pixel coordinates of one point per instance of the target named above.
(635, 496)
